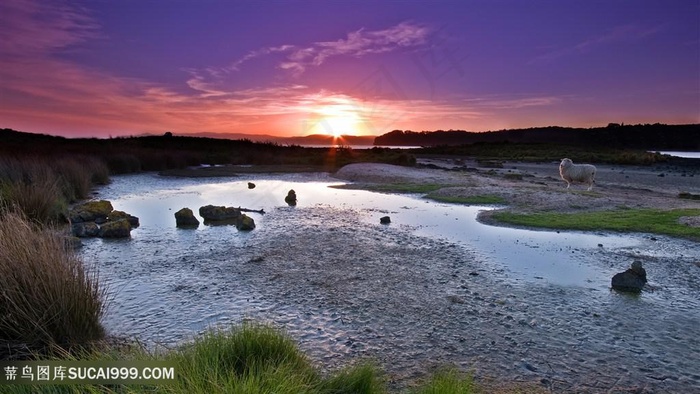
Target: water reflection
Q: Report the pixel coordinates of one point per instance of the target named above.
(563, 258)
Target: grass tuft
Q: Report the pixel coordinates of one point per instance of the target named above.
(448, 381)
(254, 358)
(48, 298)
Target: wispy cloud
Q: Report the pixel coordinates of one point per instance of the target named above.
(356, 44)
(57, 25)
(624, 33)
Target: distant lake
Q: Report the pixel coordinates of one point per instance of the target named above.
(690, 155)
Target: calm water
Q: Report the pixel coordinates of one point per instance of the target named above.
(690, 155)
(528, 255)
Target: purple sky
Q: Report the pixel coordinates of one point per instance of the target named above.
(100, 68)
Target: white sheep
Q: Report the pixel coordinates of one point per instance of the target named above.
(570, 172)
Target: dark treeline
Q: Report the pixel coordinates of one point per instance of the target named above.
(157, 153)
(646, 137)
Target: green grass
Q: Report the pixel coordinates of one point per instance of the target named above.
(655, 221)
(486, 199)
(448, 381)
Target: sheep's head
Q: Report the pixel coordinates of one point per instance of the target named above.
(565, 163)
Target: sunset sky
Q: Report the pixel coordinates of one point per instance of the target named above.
(110, 68)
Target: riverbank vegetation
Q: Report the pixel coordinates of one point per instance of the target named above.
(49, 299)
(253, 358)
(655, 221)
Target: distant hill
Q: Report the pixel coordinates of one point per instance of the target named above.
(313, 139)
(649, 137)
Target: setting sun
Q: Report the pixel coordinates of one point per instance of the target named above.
(336, 116)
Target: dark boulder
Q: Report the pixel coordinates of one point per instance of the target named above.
(219, 213)
(87, 229)
(385, 220)
(291, 198)
(185, 218)
(245, 223)
(251, 185)
(115, 229)
(632, 280)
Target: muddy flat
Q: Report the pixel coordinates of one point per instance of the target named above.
(349, 288)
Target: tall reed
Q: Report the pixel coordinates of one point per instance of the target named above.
(42, 187)
(33, 187)
(48, 297)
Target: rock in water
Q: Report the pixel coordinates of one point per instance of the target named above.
(86, 229)
(291, 198)
(385, 220)
(185, 218)
(116, 229)
(251, 185)
(245, 223)
(218, 213)
(632, 280)
(116, 215)
(90, 211)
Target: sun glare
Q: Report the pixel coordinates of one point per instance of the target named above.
(337, 119)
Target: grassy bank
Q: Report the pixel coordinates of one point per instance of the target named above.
(486, 199)
(654, 221)
(254, 358)
(48, 299)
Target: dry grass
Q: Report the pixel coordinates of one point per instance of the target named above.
(41, 188)
(48, 298)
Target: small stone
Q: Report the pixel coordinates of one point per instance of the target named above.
(251, 185)
(385, 220)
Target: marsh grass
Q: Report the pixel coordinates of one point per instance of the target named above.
(447, 381)
(32, 187)
(656, 221)
(42, 187)
(485, 199)
(254, 358)
(48, 299)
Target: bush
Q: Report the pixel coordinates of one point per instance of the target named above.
(48, 299)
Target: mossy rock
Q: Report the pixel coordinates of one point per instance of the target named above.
(115, 229)
(245, 223)
(117, 215)
(90, 211)
(219, 213)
